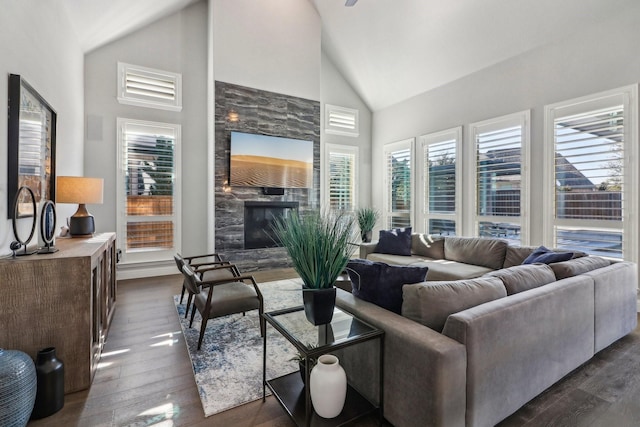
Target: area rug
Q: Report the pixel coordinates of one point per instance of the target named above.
(228, 367)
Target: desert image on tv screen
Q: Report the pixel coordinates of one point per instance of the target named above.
(267, 161)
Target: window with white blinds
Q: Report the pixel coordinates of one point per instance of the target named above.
(590, 150)
(147, 87)
(398, 184)
(340, 177)
(439, 189)
(147, 190)
(501, 177)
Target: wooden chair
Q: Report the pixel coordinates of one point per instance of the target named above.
(206, 266)
(223, 296)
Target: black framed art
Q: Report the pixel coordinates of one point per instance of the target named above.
(31, 144)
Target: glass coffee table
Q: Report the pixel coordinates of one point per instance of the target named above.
(311, 342)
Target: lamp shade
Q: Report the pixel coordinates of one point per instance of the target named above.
(81, 190)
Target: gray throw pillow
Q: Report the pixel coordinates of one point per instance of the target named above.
(576, 266)
(524, 277)
(430, 303)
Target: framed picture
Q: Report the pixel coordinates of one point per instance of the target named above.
(31, 144)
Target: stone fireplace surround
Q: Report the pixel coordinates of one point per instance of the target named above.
(257, 111)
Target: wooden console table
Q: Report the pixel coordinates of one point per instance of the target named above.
(64, 300)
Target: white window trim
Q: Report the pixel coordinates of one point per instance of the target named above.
(389, 148)
(339, 130)
(422, 217)
(344, 149)
(522, 118)
(124, 97)
(630, 219)
(121, 209)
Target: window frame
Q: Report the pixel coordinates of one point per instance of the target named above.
(628, 226)
(387, 213)
(121, 194)
(422, 173)
(472, 221)
(326, 185)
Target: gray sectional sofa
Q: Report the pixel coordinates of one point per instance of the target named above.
(484, 334)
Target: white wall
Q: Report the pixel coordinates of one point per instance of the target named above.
(177, 43)
(37, 42)
(269, 45)
(335, 90)
(598, 59)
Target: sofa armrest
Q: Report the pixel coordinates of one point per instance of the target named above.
(424, 371)
(367, 248)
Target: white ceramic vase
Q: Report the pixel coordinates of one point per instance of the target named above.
(328, 386)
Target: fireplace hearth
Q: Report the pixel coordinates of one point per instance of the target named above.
(259, 217)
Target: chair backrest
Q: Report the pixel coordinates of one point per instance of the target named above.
(192, 282)
(179, 261)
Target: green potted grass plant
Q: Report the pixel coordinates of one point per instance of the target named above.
(367, 218)
(320, 245)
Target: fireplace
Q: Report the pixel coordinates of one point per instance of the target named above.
(258, 220)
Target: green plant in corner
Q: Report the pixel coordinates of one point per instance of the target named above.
(367, 218)
(318, 244)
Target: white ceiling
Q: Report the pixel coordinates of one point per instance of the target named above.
(391, 50)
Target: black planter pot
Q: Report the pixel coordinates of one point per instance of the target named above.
(50, 379)
(319, 305)
(366, 236)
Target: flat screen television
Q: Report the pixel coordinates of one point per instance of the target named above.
(270, 161)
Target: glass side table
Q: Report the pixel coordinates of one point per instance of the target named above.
(311, 342)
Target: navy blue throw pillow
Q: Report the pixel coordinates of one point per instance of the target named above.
(547, 256)
(380, 283)
(394, 242)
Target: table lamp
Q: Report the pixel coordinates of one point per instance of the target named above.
(81, 190)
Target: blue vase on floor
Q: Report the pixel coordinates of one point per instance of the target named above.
(17, 388)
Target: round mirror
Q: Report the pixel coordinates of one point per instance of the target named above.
(24, 206)
(48, 220)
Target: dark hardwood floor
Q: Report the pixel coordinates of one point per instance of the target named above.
(145, 377)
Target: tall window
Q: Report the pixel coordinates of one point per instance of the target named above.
(148, 193)
(398, 196)
(501, 177)
(439, 189)
(591, 179)
(340, 177)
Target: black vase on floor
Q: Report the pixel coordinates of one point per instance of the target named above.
(50, 380)
(319, 304)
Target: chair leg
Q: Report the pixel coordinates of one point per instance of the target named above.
(186, 311)
(203, 326)
(182, 293)
(193, 314)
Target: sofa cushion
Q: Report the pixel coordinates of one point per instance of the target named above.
(394, 259)
(430, 303)
(444, 269)
(394, 242)
(427, 245)
(380, 283)
(524, 277)
(576, 266)
(547, 256)
(474, 250)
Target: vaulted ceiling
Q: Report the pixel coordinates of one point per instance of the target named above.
(392, 50)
